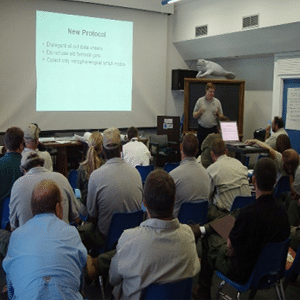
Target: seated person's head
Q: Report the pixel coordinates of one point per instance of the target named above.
(282, 143)
(159, 194)
(264, 174)
(190, 145)
(290, 160)
(277, 123)
(46, 198)
(31, 136)
(218, 148)
(132, 132)
(112, 145)
(13, 139)
(30, 161)
(95, 140)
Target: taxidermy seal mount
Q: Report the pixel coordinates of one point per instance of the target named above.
(206, 67)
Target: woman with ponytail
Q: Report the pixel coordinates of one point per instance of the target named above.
(93, 161)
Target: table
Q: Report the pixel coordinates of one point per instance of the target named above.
(65, 150)
(242, 151)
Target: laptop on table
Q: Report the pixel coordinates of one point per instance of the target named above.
(230, 135)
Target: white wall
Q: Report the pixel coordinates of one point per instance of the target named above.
(226, 16)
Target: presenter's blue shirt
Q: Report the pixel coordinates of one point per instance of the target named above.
(45, 259)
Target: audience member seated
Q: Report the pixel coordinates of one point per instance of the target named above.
(229, 178)
(93, 161)
(19, 206)
(45, 256)
(10, 162)
(282, 143)
(160, 250)
(115, 187)
(277, 128)
(263, 222)
(31, 138)
(135, 152)
(191, 179)
(205, 157)
(294, 212)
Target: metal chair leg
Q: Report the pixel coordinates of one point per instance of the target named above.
(282, 289)
(101, 287)
(219, 292)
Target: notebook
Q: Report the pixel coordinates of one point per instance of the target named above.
(223, 226)
(230, 133)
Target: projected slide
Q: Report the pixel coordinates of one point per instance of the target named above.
(83, 63)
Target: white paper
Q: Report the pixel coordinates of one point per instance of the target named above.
(293, 109)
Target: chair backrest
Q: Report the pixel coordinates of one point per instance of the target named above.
(283, 185)
(159, 140)
(172, 290)
(168, 167)
(270, 265)
(72, 177)
(5, 212)
(242, 201)
(193, 212)
(120, 222)
(144, 171)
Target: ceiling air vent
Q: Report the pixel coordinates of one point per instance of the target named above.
(251, 21)
(201, 30)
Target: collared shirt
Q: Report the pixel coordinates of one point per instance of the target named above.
(115, 187)
(208, 119)
(45, 259)
(230, 178)
(155, 252)
(9, 172)
(19, 206)
(192, 183)
(271, 141)
(43, 154)
(136, 153)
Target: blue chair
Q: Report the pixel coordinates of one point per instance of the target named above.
(241, 201)
(193, 212)
(172, 290)
(293, 270)
(72, 177)
(169, 166)
(283, 185)
(268, 271)
(120, 222)
(144, 171)
(5, 212)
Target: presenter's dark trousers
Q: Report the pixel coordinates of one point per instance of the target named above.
(202, 133)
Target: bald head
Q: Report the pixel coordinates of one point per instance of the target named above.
(290, 159)
(46, 198)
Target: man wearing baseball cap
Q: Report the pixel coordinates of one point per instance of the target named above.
(115, 187)
(31, 139)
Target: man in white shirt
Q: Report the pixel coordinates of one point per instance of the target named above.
(160, 250)
(31, 139)
(135, 152)
(277, 128)
(229, 178)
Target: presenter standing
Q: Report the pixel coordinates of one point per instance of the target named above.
(207, 110)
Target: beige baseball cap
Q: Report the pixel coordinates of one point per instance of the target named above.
(111, 138)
